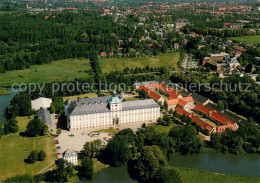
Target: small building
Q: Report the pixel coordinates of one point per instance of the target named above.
(70, 156)
(45, 116)
(41, 103)
(103, 54)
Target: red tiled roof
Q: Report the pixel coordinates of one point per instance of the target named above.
(172, 94)
(187, 99)
(181, 111)
(202, 123)
(154, 95)
(202, 109)
(221, 129)
(183, 101)
(218, 117)
(103, 54)
(172, 102)
(155, 85)
(143, 88)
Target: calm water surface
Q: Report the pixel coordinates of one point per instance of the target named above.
(5, 102)
(245, 164)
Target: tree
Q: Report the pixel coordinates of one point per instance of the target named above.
(41, 155)
(57, 105)
(86, 169)
(23, 102)
(117, 152)
(167, 174)
(33, 157)
(36, 128)
(61, 174)
(20, 178)
(151, 166)
(159, 121)
(92, 148)
(58, 131)
(143, 125)
(11, 126)
(187, 141)
(12, 111)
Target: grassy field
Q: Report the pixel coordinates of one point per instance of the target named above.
(75, 97)
(63, 70)
(15, 148)
(163, 129)
(113, 64)
(4, 91)
(200, 176)
(6, 12)
(247, 39)
(113, 131)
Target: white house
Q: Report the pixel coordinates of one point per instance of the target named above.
(70, 156)
(41, 103)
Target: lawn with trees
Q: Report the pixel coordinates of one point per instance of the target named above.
(14, 149)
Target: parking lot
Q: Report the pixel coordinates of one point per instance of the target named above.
(75, 140)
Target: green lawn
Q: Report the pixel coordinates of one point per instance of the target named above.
(113, 64)
(13, 152)
(163, 129)
(6, 12)
(190, 175)
(63, 70)
(247, 39)
(75, 97)
(113, 131)
(4, 91)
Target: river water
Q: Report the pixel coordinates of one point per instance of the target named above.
(5, 102)
(244, 164)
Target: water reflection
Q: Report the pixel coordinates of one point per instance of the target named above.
(5, 102)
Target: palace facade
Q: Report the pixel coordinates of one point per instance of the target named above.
(109, 110)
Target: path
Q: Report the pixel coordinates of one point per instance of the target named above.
(46, 168)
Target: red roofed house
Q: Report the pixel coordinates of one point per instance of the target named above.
(143, 88)
(173, 94)
(172, 104)
(221, 129)
(201, 109)
(187, 103)
(103, 54)
(222, 119)
(181, 111)
(152, 94)
(203, 124)
(156, 97)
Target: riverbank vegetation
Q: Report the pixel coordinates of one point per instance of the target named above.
(4, 91)
(15, 148)
(190, 175)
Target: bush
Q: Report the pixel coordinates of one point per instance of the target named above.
(41, 155)
(33, 157)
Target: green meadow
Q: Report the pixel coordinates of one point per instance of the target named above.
(247, 39)
(62, 70)
(112, 64)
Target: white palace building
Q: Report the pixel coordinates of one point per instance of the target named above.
(109, 110)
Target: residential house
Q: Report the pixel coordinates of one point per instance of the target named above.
(70, 156)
